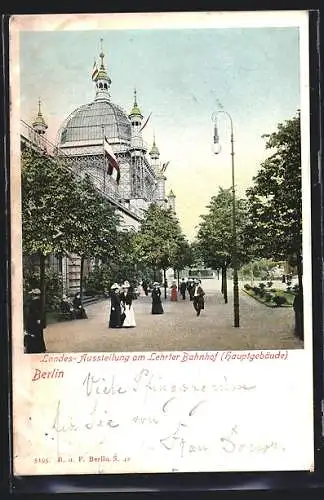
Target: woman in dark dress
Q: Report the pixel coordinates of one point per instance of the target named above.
(34, 339)
(156, 299)
(115, 319)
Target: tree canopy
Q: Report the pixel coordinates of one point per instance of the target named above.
(48, 196)
(215, 235)
(158, 241)
(275, 201)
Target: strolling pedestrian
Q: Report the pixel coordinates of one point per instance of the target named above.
(78, 307)
(126, 300)
(183, 288)
(174, 292)
(198, 297)
(145, 287)
(34, 325)
(115, 319)
(156, 299)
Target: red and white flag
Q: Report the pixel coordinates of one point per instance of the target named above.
(145, 123)
(94, 71)
(113, 167)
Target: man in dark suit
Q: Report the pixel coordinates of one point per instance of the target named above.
(198, 297)
(190, 288)
(183, 288)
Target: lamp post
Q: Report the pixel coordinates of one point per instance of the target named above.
(234, 236)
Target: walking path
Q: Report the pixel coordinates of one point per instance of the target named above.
(179, 328)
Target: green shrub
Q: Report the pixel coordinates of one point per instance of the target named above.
(262, 286)
(269, 284)
(247, 286)
(279, 300)
(268, 296)
(256, 290)
(53, 287)
(98, 280)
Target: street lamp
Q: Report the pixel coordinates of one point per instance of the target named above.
(217, 150)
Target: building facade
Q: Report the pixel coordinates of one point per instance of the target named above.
(80, 144)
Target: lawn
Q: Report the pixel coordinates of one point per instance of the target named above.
(268, 296)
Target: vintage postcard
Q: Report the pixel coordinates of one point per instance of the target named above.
(161, 243)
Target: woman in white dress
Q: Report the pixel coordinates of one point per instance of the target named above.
(126, 300)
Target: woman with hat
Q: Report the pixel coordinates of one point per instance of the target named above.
(115, 319)
(126, 299)
(34, 339)
(156, 299)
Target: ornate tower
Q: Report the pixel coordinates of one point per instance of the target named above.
(137, 153)
(171, 201)
(155, 155)
(39, 124)
(160, 177)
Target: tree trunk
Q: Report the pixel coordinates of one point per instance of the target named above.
(224, 277)
(222, 287)
(42, 286)
(178, 275)
(165, 283)
(81, 277)
(218, 274)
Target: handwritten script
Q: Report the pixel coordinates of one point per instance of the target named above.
(167, 417)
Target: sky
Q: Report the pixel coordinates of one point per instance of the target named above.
(182, 76)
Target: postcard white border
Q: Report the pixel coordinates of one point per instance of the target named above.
(22, 364)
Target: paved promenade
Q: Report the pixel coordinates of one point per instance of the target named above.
(179, 328)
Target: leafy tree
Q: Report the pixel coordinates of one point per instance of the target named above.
(95, 223)
(275, 201)
(215, 235)
(126, 266)
(183, 256)
(158, 240)
(48, 204)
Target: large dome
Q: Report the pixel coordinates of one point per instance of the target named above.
(93, 120)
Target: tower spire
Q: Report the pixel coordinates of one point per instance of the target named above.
(102, 79)
(135, 114)
(154, 153)
(39, 124)
(101, 55)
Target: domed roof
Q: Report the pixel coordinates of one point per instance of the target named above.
(93, 120)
